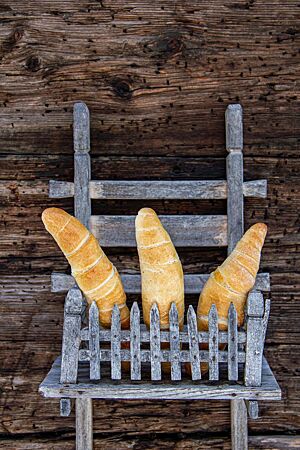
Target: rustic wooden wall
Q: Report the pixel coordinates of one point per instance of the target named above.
(157, 76)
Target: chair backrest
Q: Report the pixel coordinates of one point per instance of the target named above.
(185, 230)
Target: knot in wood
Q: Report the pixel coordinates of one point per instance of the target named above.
(122, 88)
(169, 45)
(33, 63)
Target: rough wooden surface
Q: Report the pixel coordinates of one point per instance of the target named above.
(172, 442)
(125, 389)
(157, 79)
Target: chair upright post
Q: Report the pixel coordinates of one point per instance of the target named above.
(82, 208)
(235, 230)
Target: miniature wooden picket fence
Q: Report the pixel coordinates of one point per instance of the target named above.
(244, 347)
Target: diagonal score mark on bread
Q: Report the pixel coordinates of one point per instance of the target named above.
(96, 276)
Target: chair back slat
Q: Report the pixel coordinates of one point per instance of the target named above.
(193, 283)
(185, 231)
(154, 189)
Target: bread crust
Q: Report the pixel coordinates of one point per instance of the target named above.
(161, 269)
(232, 281)
(94, 273)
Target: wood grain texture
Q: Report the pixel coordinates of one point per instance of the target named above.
(50, 387)
(185, 231)
(135, 190)
(194, 442)
(239, 425)
(157, 82)
(193, 283)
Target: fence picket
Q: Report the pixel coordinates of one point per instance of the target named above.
(155, 343)
(94, 342)
(194, 344)
(115, 344)
(213, 343)
(135, 343)
(174, 344)
(232, 344)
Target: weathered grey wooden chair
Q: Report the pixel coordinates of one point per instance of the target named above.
(93, 371)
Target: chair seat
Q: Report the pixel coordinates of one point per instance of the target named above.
(162, 390)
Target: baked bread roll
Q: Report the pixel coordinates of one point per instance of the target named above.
(96, 276)
(161, 269)
(232, 281)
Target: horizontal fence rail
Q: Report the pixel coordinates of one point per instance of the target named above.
(193, 283)
(149, 190)
(199, 349)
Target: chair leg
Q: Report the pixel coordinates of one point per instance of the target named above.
(239, 425)
(84, 424)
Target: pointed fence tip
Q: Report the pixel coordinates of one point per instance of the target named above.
(154, 308)
(135, 307)
(116, 309)
(94, 308)
(173, 310)
(213, 310)
(191, 312)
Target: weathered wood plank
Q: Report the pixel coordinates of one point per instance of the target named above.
(213, 343)
(94, 342)
(234, 127)
(155, 352)
(193, 283)
(50, 387)
(234, 171)
(232, 344)
(71, 336)
(65, 407)
(255, 343)
(174, 343)
(61, 189)
(193, 344)
(115, 344)
(84, 424)
(185, 231)
(239, 425)
(135, 342)
(121, 442)
(128, 190)
(82, 163)
(266, 317)
(105, 335)
(125, 355)
(252, 408)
